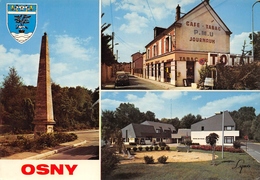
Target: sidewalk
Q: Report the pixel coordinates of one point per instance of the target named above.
(44, 153)
(165, 85)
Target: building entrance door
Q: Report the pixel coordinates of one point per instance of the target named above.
(167, 72)
(190, 72)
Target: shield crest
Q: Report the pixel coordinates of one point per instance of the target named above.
(21, 21)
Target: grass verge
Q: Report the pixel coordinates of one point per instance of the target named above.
(224, 169)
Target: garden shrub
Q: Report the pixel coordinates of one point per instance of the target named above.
(167, 148)
(135, 149)
(162, 159)
(236, 144)
(140, 148)
(156, 148)
(151, 148)
(147, 148)
(162, 144)
(162, 147)
(128, 149)
(148, 159)
(109, 161)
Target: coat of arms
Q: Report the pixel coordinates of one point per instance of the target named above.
(21, 21)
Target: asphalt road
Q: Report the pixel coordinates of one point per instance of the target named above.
(138, 83)
(89, 150)
(253, 149)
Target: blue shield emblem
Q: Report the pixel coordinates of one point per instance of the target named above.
(21, 21)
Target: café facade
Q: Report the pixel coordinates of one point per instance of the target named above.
(177, 53)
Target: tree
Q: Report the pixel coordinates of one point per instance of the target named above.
(243, 119)
(12, 96)
(107, 56)
(188, 120)
(175, 122)
(212, 139)
(255, 128)
(108, 125)
(127, 113)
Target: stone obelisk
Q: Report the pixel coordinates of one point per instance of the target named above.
(43, 119)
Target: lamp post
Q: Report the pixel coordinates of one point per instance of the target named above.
(222, 128)
(253, 28)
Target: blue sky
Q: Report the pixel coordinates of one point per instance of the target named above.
(133, 21)
(173, 104)
(73, 34)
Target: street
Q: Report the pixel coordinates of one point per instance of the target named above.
(253, 149)
(89, 150)
(137, 83)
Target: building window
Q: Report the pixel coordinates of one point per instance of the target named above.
(148, 53)
(228, 139)
(154, 50)
(167, 42)
(202, 128)
(229, 128)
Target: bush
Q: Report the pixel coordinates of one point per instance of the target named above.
(140, 148)
(236, 144)
(167, 148)
(147, 148)
(65, 137)
(128, 149)
(148, 159)
(156, 148)
(162, 159)
(162, 147)
(109, 161)
(162, 144)
(135, 149)
(151, 148)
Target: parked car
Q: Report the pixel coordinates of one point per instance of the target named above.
(122, 79)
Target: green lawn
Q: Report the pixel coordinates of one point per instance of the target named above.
(191, 171)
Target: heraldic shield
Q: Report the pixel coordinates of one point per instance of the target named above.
(21, 21)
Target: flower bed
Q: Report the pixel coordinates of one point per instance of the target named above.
(218, 148)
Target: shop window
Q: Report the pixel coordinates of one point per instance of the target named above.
(228, 139)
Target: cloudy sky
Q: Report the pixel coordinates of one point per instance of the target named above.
(133, 21)
(73, 33)
(173, 104)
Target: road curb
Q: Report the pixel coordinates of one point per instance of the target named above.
(46, 154)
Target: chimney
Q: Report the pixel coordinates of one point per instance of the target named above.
(178, 13)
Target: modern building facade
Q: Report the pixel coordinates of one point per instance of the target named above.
(177, 53)
(148, 133)
(213, 124)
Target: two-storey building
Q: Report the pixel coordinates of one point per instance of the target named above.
(177, 53)
(219, 124)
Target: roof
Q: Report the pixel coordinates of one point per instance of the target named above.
(159, 125)
(141, 129)
(214, 123)
(176, 23)
(181, 133)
